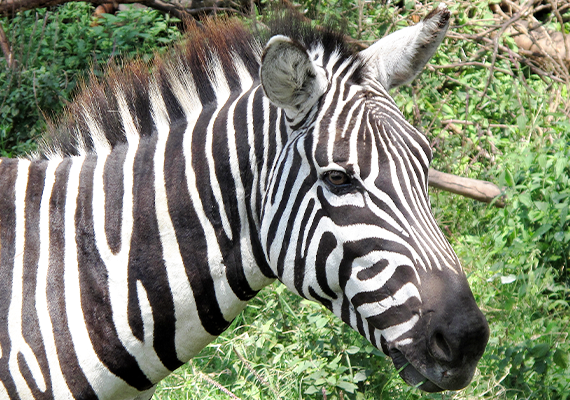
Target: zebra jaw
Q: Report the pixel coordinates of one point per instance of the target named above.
(410, 374)
(407, 371)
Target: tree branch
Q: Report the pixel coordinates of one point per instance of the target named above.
(473, 188)
(6, 50)
(10, 7)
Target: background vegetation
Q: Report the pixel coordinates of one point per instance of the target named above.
(489, 112)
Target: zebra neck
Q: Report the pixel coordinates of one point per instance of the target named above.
(152, 245)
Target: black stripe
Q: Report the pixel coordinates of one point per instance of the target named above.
(190, 235)
(146, 262)
(395, 315)
(327, 244)
(403, 274)
(76, 381)
(95, 301)
(231, 249)
(8, 173)
(114, 190)
(242, 147)
(300, 259)
(372, 271)
(30, 323)
(325, 302)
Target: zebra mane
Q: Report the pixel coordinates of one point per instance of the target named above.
(215, 43)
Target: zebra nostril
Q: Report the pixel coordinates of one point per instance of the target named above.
(440, 348)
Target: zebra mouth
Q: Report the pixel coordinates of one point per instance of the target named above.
(408, 372)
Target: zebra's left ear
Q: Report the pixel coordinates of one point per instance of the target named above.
(290, 79)
(399, 57)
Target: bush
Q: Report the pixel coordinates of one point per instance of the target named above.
(54, 51)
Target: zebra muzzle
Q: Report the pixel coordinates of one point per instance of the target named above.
(407, 371)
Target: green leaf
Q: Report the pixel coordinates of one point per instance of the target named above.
(525, 199)
(559, 167)
(540, 350)
(446, 109)
(540, 367)
(521, 122)
(509, 178)
(359, 377)
(311, 390)
(541, 205)
(348, 386)
(560, 358)
(542, 230)
(353, 350)
(542, 160)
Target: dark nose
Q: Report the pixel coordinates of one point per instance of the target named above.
(457, 333)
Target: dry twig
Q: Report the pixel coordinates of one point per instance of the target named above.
(211, 381)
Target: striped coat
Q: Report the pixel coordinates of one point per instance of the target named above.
(163, 202)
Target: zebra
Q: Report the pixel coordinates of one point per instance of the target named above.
(163, 201)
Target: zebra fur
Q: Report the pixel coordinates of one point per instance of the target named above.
(161, 203)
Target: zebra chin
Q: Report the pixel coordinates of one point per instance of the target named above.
(432, 378)
(411, 375)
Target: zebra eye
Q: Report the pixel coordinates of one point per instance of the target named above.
(337, 178)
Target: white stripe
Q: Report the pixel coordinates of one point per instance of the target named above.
(100, 142)
(103, 382)
(253, 275)
(394, 332)
(230, 305)
(223, 92)
(252, 156)
(263, 176)
(58, 383)
(190, 337)
(117, 264)
(355, 286)
(406, 292)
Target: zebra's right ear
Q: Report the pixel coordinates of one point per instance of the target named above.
(290, 79)
(399, 57)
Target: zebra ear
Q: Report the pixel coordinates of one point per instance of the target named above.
(399, 57)
(290, 79)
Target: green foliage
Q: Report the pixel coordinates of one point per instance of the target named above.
(283, 347)
(54, 51)
(526, 260)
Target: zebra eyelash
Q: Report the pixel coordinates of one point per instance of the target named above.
(339, 189)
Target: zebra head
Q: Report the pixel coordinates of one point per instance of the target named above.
(346, 218)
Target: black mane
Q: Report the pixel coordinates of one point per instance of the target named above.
(222, 37)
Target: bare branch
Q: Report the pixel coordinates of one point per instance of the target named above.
(10, 7)
(6, 49)
(476, 189)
